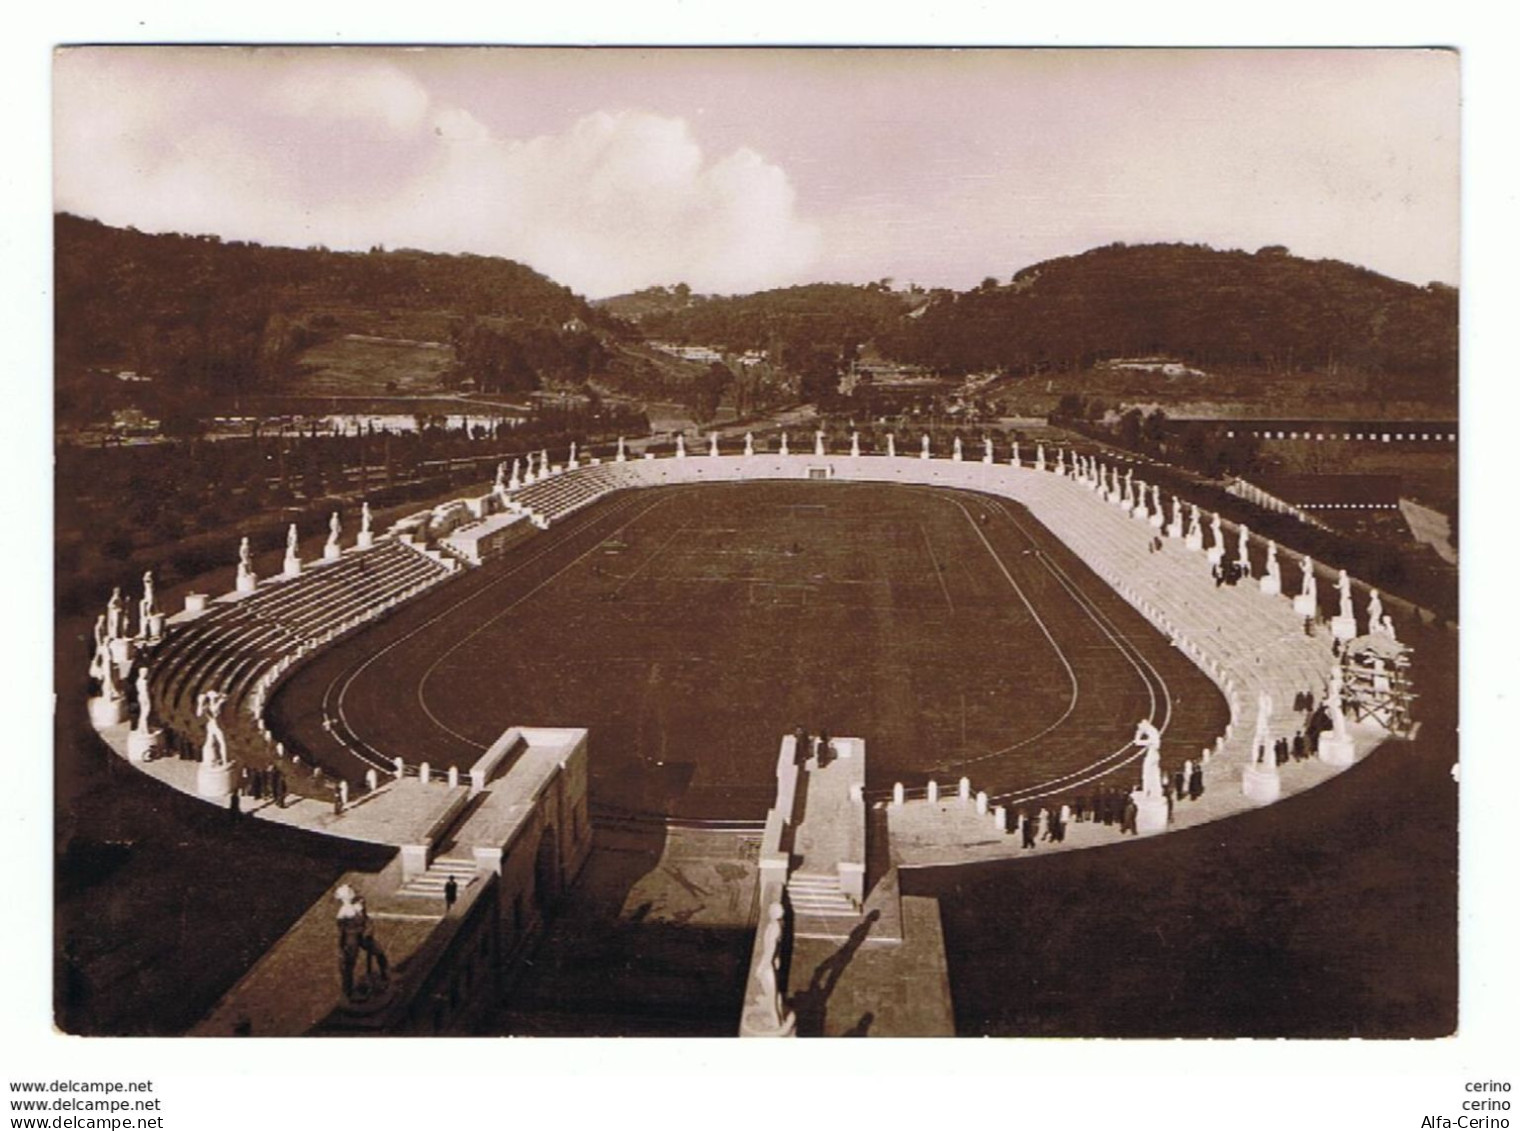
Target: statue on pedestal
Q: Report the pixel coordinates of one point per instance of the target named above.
(622, 452)
(208, 705)
(924, 452)
(1333, 702)
(680, 446)
(891, 445)
(1343, 583)
(767, 1011)
(144, 702)
(818, 442)
(1273, 569)
(987, 448)
(245, 576)
(855, 443)
(501, 478)
(147, 608)
(1217, 527)
(712, 445)
(365, 519)
(1260, 746)
(1148, 738)
(956, 452)
(783, 445)
(292, 544)
(334, 531)
(575, 462)
(749, 443)
(1014, 458)
(116, 616)
(1374, 612)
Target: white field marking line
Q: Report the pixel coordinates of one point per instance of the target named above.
(347, 678)
(485, 624)
(1101, 766)
(649, 561)
(1060, 655)
(934, 563)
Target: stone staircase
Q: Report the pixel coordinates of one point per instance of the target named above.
(820, 907)
(430, 884)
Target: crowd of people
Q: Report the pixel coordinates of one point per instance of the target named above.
(1109, 804)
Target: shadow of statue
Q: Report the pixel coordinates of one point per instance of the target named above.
(810, 1004)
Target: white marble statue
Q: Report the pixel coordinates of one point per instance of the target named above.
(712, 444)
(1060, 461)
(147, 608)
(769, 1009)
(1310, 589)
(116, 616)
(891, 445)
(925, 448)
(622, 452)
(575, 461)
(1014, 458)
(818, 442)
(956, 452)
(855, 443)
(292, 543)
(1334, 702)
(543, 462)
(749, 443)
(101, 636)
(1039, 457)
(1218, 528)
(987, 448)
(1261, 745)
(1274, 570)
(501, 477)
(208, 705)
(784, 450)
(1148, 738)
(1243, 550)
(334, 531)
(1194, 528)
(1343, 583)
(144, 702)
(1386, 627)
(1374, 612)
(366, 520)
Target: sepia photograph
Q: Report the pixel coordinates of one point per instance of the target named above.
(760, 542)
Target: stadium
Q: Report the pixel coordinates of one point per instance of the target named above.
(586, 670)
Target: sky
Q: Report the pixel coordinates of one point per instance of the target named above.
(736, 170)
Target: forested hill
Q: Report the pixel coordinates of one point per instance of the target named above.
(1266, 310)
(221, 317)
(1214, 309)
(831, 318)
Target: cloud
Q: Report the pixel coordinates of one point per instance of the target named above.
(352, 153)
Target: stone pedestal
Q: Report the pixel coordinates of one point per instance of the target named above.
(1216, 555)
(1150, 815)
(247, 583)
(1303, 605)
(195, 602)
(1158, 520)
(108, 711)
(1335, 750)
(366, 539)
(143, 744)
(331, 553)
(1271, 586)
(1195, 540)
(154, 629)
(216, 783)
(758, 1022)
(1343, 628)
(1261, 784)
(292, 567)
(122, 651)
